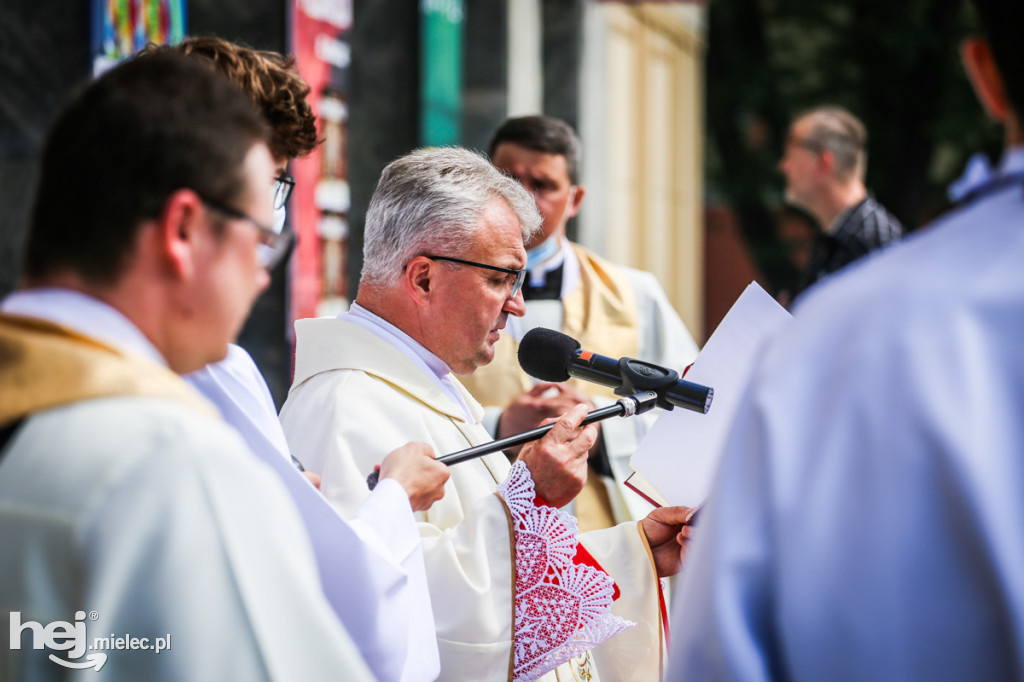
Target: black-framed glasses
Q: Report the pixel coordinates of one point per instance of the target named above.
(518, 275)
(273, 244)
(283, 186)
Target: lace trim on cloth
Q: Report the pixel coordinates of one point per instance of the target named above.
(562, 608)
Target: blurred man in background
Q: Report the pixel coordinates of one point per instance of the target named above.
(825, 163)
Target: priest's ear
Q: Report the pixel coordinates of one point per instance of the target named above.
(419, 279)
(980, 65)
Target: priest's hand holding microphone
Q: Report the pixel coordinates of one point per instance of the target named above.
(544, 401)
(558, 461)
(414, 468)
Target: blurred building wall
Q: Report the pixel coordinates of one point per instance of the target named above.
(44, 56)
(642, 125)
(629, 77)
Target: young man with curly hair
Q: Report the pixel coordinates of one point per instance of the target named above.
(371, 567)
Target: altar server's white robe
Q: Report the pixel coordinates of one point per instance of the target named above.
(371, 567)
(139, 508)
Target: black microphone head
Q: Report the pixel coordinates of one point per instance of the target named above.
(546, 354)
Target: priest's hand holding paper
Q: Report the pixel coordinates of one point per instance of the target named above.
(544, 401)
(413, 466)
(558, 461)
(668, 535)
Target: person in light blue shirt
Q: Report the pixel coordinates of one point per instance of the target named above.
(867, 519)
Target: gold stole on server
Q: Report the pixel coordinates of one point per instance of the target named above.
(600, 313)
(44, 365)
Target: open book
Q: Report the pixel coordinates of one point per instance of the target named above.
(681, 450)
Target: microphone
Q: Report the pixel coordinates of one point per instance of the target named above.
(624, 407)
(552, 356)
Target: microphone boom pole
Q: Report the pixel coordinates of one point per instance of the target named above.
(637, 403)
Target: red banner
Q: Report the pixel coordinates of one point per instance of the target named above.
(320, 201)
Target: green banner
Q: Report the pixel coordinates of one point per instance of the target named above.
(440, 71)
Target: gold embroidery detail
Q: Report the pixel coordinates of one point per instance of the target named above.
(582, 667)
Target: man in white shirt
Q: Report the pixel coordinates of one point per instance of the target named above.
(867, 517)
(135, 525)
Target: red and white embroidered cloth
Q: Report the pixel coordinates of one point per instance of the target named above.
(562, 607)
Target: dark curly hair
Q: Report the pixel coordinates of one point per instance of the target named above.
(273, 83)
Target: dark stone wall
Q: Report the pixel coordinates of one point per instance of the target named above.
(561, 47)
(384, 105)
(485, 71)
(561, 50)
(44, 56)
(257, 23)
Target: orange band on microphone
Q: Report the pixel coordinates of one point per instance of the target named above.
(586, 355)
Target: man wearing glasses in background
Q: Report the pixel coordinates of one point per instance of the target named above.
(824, 163)
(444, 261)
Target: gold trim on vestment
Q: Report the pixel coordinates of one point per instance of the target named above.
(44, 365)
(657, 605)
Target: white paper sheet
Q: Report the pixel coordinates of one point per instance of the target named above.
(681, 450)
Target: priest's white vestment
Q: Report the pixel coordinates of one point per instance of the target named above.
(355, 398)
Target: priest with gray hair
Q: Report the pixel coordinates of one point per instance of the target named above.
(515, 591)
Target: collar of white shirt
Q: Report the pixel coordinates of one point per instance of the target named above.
(1013, 161)
(564, 258)
(84, 314)
(431, 365)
